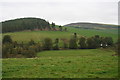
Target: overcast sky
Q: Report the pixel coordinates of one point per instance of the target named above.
(61, 11)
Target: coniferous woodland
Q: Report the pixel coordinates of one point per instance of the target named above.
(25, 24)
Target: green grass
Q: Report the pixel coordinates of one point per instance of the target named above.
(90, 63)
(37, 36)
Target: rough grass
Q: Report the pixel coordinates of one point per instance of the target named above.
(92, 63)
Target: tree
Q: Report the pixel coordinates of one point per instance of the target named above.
(75, 35)
(60, 28)
(53, 25)
(73, 43)
(106, 41)
(96, 41)
(109, 41)
(90, 43)
(7, 50)
(56, 47)
(65, 43)
(82, 43)
(24, 24)
(47, 44)
(7, 39)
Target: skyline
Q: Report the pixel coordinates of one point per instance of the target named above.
(62, 12)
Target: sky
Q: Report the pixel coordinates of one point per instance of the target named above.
(61, 12)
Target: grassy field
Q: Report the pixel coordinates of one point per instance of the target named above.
(92, 63)
(37, 36)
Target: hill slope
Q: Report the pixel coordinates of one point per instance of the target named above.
(92, 26)
(24, 24)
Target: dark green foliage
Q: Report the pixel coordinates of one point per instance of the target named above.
(109, 41)
(90, 43)
(97, 41)
(7, 39)
(56, 46)
(53, 25)
(13, 49)
(24, 24)
(60, 28)
(73, 43)
(47, 44)
(106, 41)
(82, 43)
(75, 35)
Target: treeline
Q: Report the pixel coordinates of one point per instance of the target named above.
(25, 24)
(14, 49)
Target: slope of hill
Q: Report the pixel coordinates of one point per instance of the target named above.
(24, 24)
(92, 25)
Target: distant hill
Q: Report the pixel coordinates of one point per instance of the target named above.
(92, 25)
(24, 24)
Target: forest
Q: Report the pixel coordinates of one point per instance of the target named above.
(25, 24)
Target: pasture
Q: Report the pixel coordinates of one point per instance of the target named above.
(89, 63)
(38, 36)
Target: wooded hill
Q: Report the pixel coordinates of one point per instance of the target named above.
(86, 25)
(25, 24)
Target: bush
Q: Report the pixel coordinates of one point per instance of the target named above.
(106, 41)
(90, 43)
(82, 43)
(6, 49)
(47, 44)
(97, 41)
(31, 42)
(65, 43)
(7, 39)
(73, 43)
(56, 46)
(109, 41)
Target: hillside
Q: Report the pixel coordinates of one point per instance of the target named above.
(92, 25)
(24, 24)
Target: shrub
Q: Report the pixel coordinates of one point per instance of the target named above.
(73, 43)
(31, 42)
(90, 43)
(47, 44)
(96, 41)
(56, 46)
(7, 39)
(82, 43)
